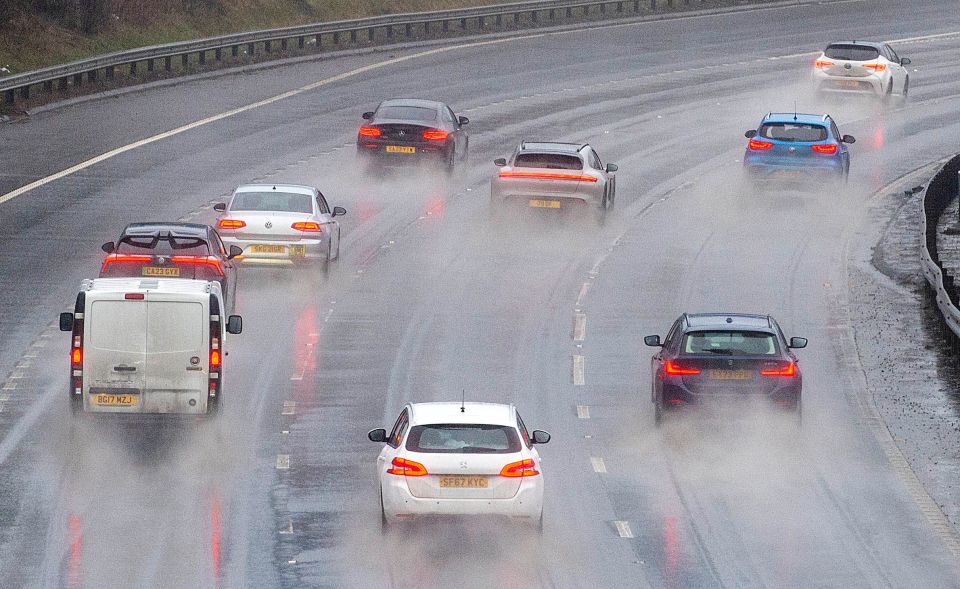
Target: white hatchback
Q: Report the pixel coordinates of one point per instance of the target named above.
(460, 459)
(860, 67)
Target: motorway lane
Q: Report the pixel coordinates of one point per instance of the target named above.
(455, 304)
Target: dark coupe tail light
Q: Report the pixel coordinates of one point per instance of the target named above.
(435, 135)
(369, 132)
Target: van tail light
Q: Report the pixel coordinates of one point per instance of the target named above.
(435, 135)
(216, 354)
(788, 369)
(522, 468)
(877, 67)
(76, 358)
(308, 226)
(76, 354)
(123, 259)
(546, 175)
(822, 64)
(669, 367)
(827, 148)
(134, 296)
(369, 132)
(231, 224)
(408, 468)
(757, 145)
(214, 359)
(207, 261)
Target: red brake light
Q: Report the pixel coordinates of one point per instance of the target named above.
(435, 134)
(120, 258)
(522, 468)
(369, 132)
(828, 148)
(822, 64)
(306, 226)
(546, 175)
(133, 296)
(230, 224)
(670, 368)
(407, 468)
(790, 369)
(76, 357)
(214, 359)
(199, 261)
(757, 145)
(877, 67)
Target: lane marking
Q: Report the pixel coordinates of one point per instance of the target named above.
(623, 528)
(283, 461)
(578, 370)
(289, 528)
(579, 327)
(583, 412)
(289, 408)
(598, 465)
(9, 386)
(584, 289)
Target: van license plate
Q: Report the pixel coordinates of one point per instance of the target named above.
(544, 204)
(154, 271)
(400, 149)
(108, 400)
(464, 482)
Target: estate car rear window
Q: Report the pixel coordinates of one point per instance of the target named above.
(851, 52)
(793, 132)
(730, 343)
(163, 246)
(413, 113)
(459, 438)
(553, 161)
(284, 202)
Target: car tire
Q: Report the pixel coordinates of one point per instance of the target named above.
(451, 162)
(657, 414)
(538, 525)
(799, 414)
(601, 212)
(384, 522)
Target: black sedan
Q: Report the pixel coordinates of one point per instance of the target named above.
(406, 130)
(173, 250)
(709, 359)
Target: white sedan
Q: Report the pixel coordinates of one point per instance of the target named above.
(460, 459)
(280, 224)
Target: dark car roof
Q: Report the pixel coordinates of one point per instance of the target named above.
(411, 102)
(875, 45)
(155, 229)
(712, 321)
(552, 146)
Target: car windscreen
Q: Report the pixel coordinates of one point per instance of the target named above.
(411, 113)
(553, 161)
(461, 438)
(163, 246)
(851, 52)
(793, 132)
(283, 202)
(730, 343)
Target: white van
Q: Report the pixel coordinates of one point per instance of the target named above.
(147, 346)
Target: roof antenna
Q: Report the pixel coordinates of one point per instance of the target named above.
(463, 396)
(794, 110)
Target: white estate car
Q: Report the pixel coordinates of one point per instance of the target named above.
(860, 67)
(460, 459)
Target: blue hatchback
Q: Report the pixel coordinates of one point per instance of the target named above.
(796, 147)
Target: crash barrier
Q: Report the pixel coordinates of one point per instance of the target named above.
(137, 66)
(938, 195)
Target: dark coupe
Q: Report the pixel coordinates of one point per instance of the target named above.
(405, 130)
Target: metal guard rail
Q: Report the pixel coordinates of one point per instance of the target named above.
(937, 196)
(70, 75)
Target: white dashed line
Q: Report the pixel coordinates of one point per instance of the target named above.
(584, 289)
(579, 327)
(578, 370)
(598, 465)
(289, 408)
(583, 412)
(289, 528)
(623, 528)
(283, 461)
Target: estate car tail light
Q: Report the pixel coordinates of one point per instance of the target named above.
(369, 132)
(546, 175)
(310, 226)
(877, 67)
(209, 261)
(822, 64)
(757, 145)
(407, 468)
(788, 369)
(673, 369)
(827, 148)
(522, 468)
(231, 224)
(435, 134)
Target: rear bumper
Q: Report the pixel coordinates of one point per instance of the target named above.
(377, 153)
(784, 395)
(314, 250)
(160, 404)
(398, 503)
(759, 170)
(872, 84)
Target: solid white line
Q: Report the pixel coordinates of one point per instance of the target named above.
(623, 528)
(598, 465)
(583, 412)
(9, 386)
(579, 327)
(924, 37)
(578, 370)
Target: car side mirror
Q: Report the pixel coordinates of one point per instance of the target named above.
(234, 251)
(849, 139)
(234, 324)
(539, 437)
(463, 121)
(652, 340)
(220, 207)
(339, 211)
(612, 168)
(798, 342)
(377, 435)
(750, 134)
(905, 61)
(367, 116)
(500, 162)
(66, 321)
(108, 247)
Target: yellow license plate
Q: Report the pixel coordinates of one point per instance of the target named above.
(297, 250)
(400, 149)
(154, 271)
(268, 249)
(849, 84)
(544, 204)
(111, 400)
(729, 374)
(463, 482)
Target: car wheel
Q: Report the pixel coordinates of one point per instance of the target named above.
(451, 164)
(337, 256)
(657, 414)
(384, 522)
(538, 525)
(601, 212)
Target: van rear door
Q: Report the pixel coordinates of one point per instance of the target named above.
(115, 354)
(176, 355)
